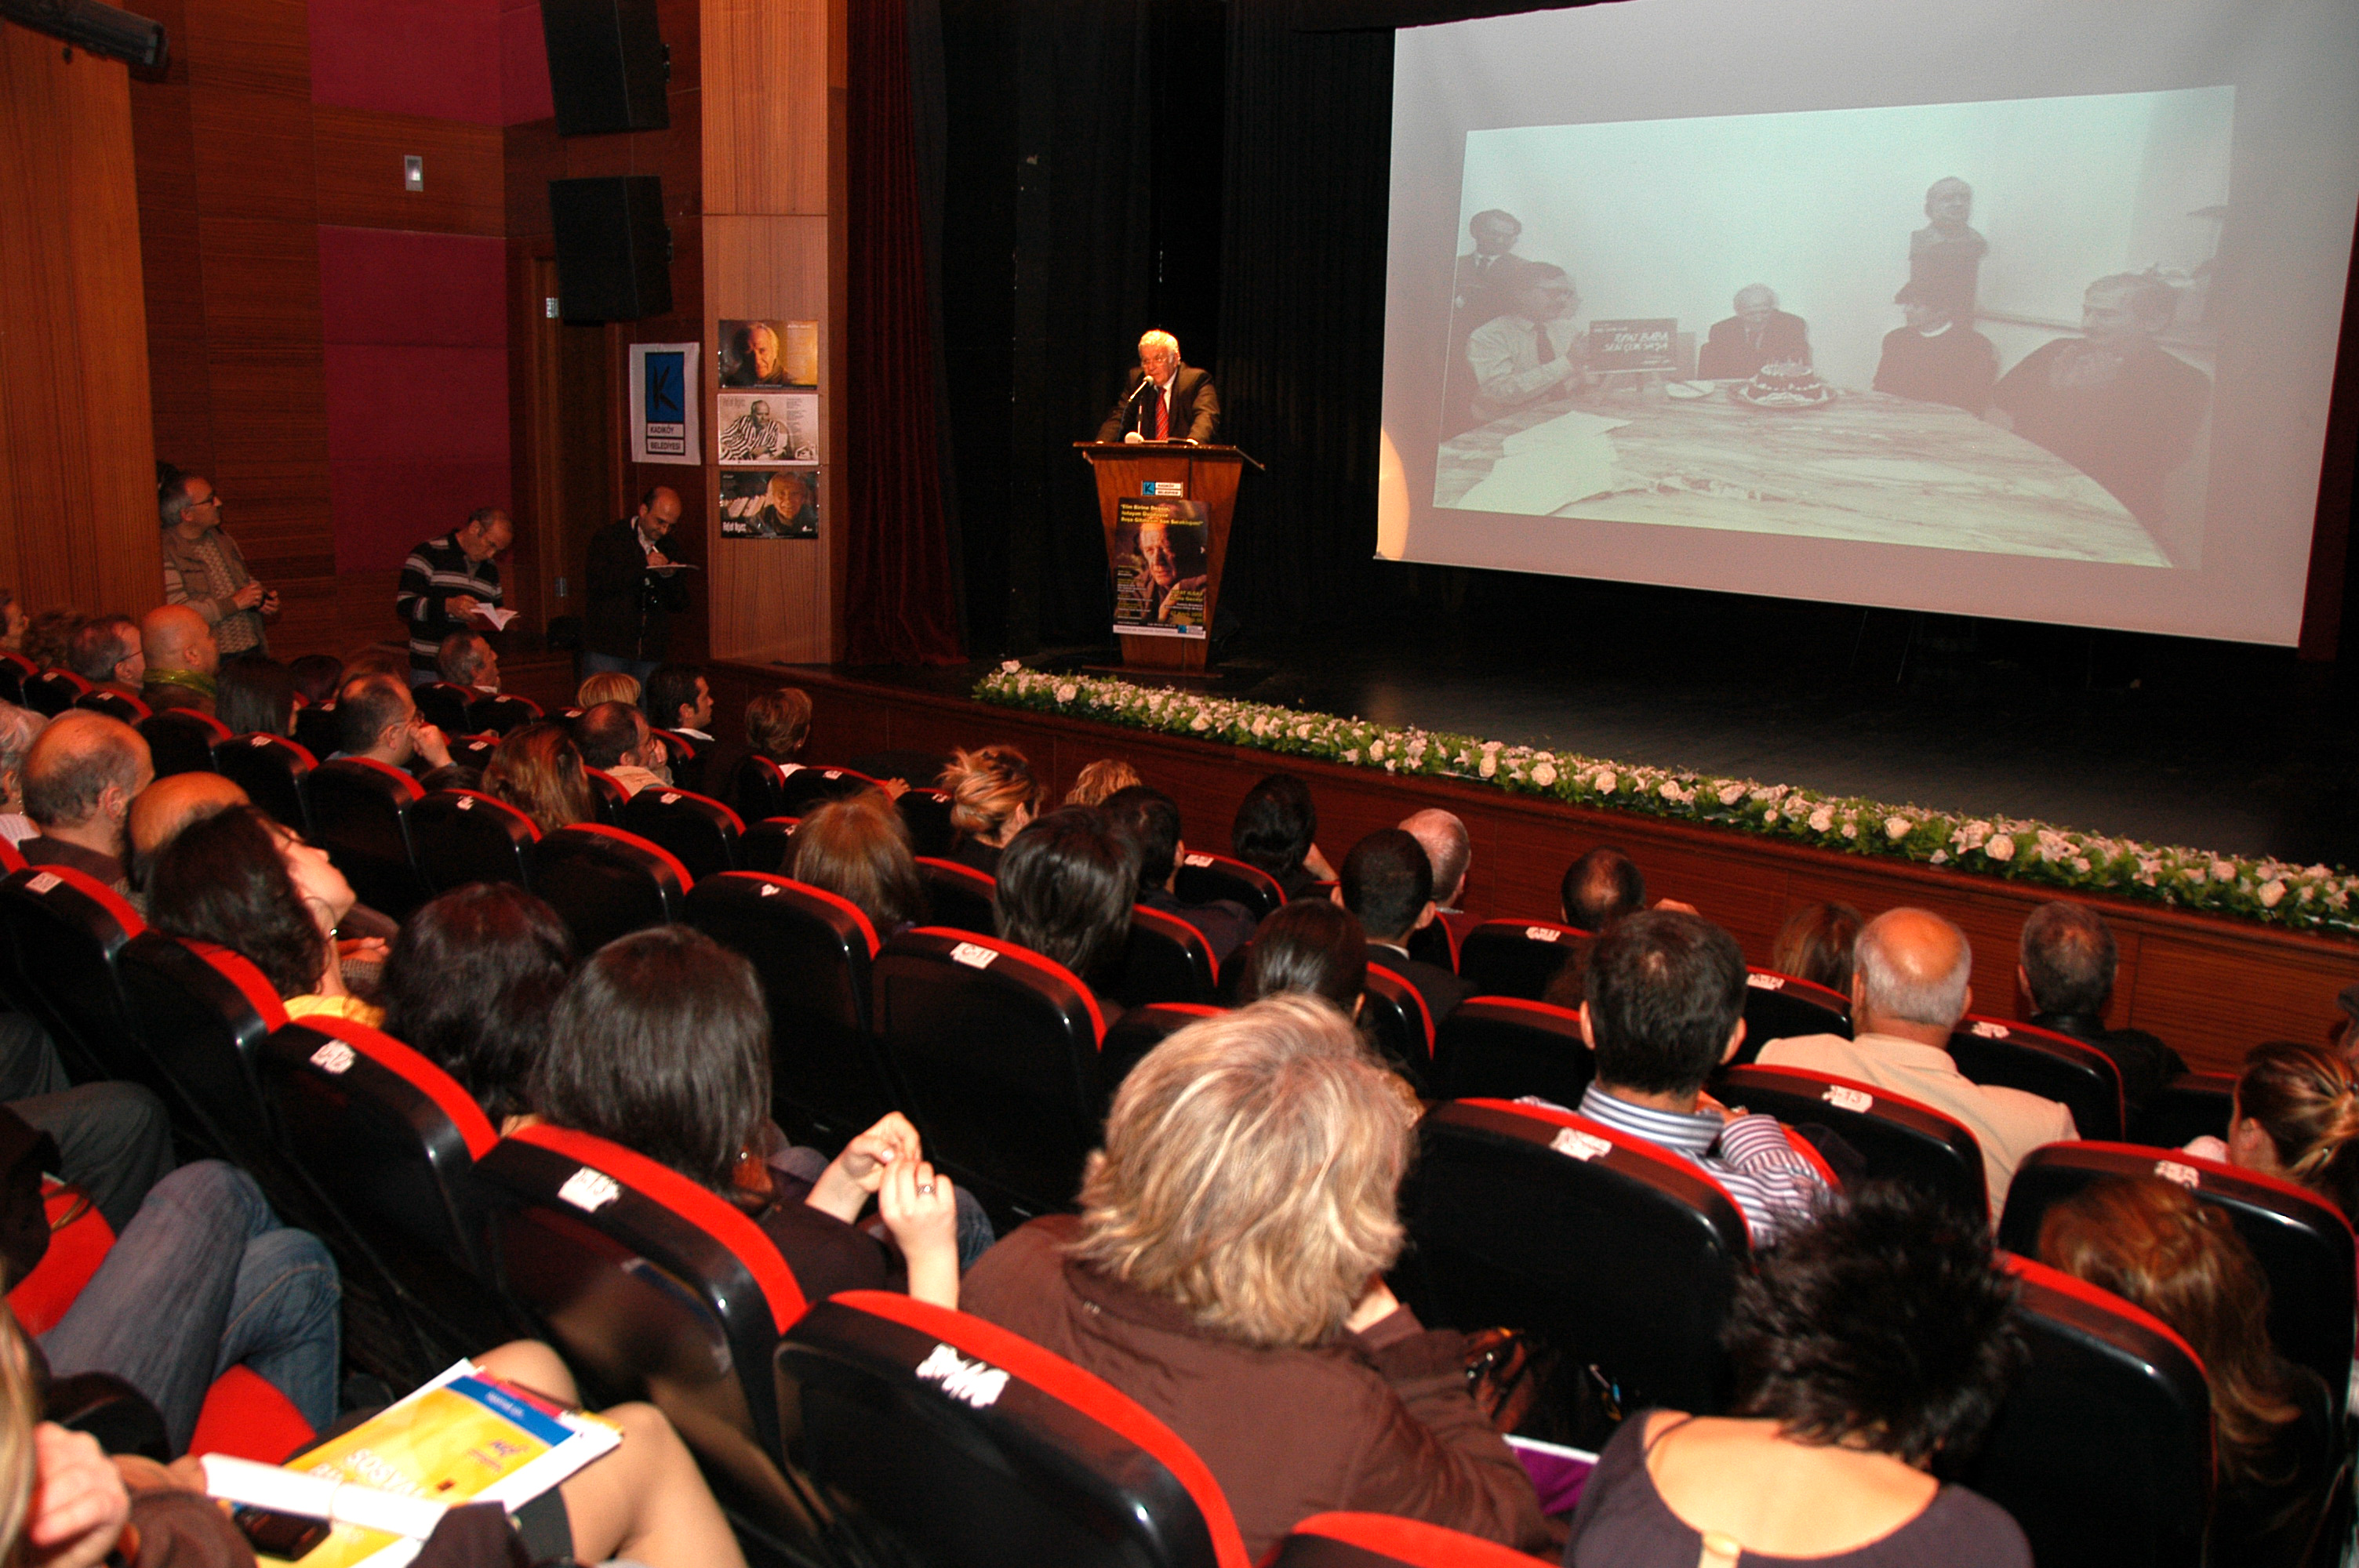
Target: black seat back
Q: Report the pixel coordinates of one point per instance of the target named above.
(1897, 1137)
(2042, 1061)
(604, 882)
(445, 706)
(814, 952)
(1499, 1047)
(1395, 1018)
(2102, 1449)
(66, 932)
(995, 1050)
(700, 832)
(1494, 1206)
(1164, 959)
(1517, 958)
(757, 789)
(2300, 1240)
(498, 715)
(51, 692)
(1140, 1030)
(1204, 878)
(926, 813)
(181, 741)
(360, 815)
(958, 895)
(317, 730)
(273, 771)
(464, 836)
(973, 1447)
(2190, 1106)
(803, 789)
(1784, 1007)
(768, 844)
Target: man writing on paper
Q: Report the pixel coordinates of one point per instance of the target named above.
(634, 591)
(1165, 400)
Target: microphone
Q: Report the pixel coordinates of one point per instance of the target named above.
(1143, 383)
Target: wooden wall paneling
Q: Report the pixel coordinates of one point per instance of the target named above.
(76, 438)
(765, 72)
(2213, 988)
(358, 156)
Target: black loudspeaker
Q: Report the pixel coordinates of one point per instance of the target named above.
(613, 253)
(607, 66)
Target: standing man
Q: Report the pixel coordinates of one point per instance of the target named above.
(1759, 334)
(445, 581)
(1946, 253)
(634, 591)
(1479, 291)
(204, 569)
(1179, 407)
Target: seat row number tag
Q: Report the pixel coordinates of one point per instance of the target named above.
(974, 954)
(1842, 1096)
(1580, 1145)
(589, 1190)
(976, 1382)
(1762, 982)
(2172, 1171)
(1541, 933)
(335, 1056)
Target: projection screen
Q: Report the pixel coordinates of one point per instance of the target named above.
(2026, 309)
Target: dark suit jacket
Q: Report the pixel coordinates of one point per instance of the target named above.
(1726, 355)
(1195, 407)
(2146, 1063)
(1442, 989)
(627, 611)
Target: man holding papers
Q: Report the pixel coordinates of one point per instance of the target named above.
(1531, 352)
(634, 588)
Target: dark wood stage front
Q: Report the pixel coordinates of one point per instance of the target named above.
(2211, 988)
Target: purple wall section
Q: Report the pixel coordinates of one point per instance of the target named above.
(415, 334)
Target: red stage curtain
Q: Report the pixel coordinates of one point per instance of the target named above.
(898, 600)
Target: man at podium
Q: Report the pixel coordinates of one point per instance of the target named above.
(1165, 400)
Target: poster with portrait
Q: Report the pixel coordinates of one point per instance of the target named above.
(769, 503)
(768, 426)
(1159, 575)
(663, 409)
(769, 353)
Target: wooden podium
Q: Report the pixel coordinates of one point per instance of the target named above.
(1208, 474)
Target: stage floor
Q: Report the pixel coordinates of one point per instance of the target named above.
(2239, 750)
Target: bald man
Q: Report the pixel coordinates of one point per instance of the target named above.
(167, 806)
(634, 589)
(182, 659)
(1450, 850)
(1907, 991)
(80, 778)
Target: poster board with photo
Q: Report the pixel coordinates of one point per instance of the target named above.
(768, 428)
(769, 351)
(1160, 567)
(769, 503)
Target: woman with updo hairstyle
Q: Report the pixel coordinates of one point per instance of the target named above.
(469, 986)
(1310, 947)
(1815, 943)
(859, 850)
(1275, 829)
(2165, 1251)
(1066, 885)
(1099, 779)
(992, 795)
(777, 723)
(2296, 1117)
(1226, 1270)
(539, 770)
(1861, 1346)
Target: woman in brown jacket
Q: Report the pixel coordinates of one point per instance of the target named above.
(1226, 1273)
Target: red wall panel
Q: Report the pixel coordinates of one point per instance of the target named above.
(524, 65)
(436, 57)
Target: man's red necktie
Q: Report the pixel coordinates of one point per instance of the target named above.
(1162, 413)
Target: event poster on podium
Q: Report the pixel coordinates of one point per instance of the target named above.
(1158, 573)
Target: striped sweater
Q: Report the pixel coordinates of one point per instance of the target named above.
(436, 571)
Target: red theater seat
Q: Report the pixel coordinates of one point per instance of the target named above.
(958, 895)
(1383, 1540)
(464, 836)
(1140, 1030)
(498, 715)
(926, 813)
(2190, 1106)
(698, 831)
(768, 844)
(360, 815)
(757, 789)
(1164, 959)
(803, 789)
(604, 882)
(1517, 958)
(273, 771)
(1782, 1006)
(182, 740)
(115, 705)
(51, 692)
(2044, 1063)
(1897, 1137)
(972, 1445)
(445, 706)
(66, 932)
(1498, 1047)
(1394, 1015)
(1204, 878)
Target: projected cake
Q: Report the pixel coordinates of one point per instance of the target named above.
(1789, 383)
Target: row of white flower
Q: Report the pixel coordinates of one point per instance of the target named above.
(2304, 897)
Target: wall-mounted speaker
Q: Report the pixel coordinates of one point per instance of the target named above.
(613, 253)
(607, 66)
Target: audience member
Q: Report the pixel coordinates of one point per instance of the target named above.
(205, 570)
(2347, 1039)
(445, 581)
(1864, 1348)
(1277, 831)
(240, 879)
(679, 699)
(81, 777)
(378, 720)
(1448, 850)
(317, 677)
(859, 850)
(1066, 886)
(13, 620)
(2296, 1117)
(661, 1042)
(1815, 944)
(469, 986)
(19, 728)
(107, 653)
(776, 724)
(992, 795)
(539, 770)
(1098, 780)
(48, 638)
(182, 660)
(466, 659)
(1310, 947)
(256, 697)
(1665, 1008)
(606, 686)
(1226, 1271)
(1907, 991)
(2065, 964)
(1152, 819)
(115, 1142)
(1602, 887)
(615, 741)
(1387, 883)
(167, 807)
(2160, 1248)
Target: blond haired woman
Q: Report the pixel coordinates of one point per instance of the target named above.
(992, 795)
(1226, 1273)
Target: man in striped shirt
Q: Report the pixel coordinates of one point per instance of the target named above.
(1665, 1005)
(445, 581)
